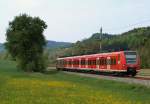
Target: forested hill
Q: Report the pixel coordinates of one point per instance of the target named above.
(53, 44)
(137, 39)
(50, 45)
(104, 36)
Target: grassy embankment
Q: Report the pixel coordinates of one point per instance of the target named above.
(17, 87)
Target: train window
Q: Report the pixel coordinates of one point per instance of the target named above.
(130, 57)
(89, 62)
(105, 62)
(102, 61)
(70, 62)
(113, 61)
(94, 62)
(82, 62)
(73, 62)
(76, 62)
(66, 63)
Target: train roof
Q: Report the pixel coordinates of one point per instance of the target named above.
(93, 55)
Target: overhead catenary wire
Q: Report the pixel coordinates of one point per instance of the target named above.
(128, 26)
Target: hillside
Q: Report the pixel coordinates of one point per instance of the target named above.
(53, 44)
(50, 45)
(104, 36)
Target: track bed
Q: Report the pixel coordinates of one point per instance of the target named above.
(131, 80)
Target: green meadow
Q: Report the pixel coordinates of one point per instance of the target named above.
(18, 87)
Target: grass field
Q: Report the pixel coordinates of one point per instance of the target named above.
(17, 87)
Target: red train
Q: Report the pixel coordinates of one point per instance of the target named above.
(126, 62)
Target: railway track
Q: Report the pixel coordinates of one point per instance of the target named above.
(127, 79)
(141, 78)
(136, 77)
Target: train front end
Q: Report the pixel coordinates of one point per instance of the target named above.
(132, 62)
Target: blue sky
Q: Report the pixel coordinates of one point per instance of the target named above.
(72, 20)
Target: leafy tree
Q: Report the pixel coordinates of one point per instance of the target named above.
(25, 42)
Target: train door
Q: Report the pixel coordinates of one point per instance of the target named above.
(98, 63)
(94, 62)
(113, 63)
(108, 63)
(83, 62)
(119, 62)
(102, 63)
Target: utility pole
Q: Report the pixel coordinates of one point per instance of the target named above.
(100, 36)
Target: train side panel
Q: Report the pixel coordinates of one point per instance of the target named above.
(114, 62)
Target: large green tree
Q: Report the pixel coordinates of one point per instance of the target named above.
(25, 42)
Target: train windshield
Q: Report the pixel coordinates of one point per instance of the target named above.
(130, 57)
